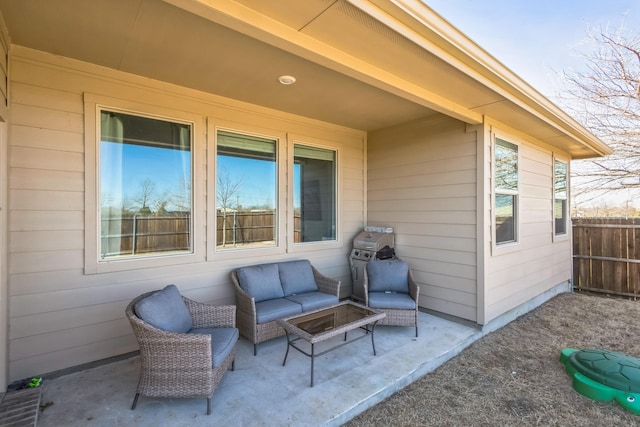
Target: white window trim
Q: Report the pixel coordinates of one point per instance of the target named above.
(328, 145)
(213, 253)
(560, 237)
(509, 247)
(92, 263)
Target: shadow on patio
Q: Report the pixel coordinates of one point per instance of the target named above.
(261, 392)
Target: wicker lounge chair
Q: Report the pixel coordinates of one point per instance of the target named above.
(183, 364)
(389, 286)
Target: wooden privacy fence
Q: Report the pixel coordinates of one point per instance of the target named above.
(247, 227)
(140, 234)
(606, 255)
(244, 228)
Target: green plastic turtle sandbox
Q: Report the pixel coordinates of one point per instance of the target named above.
(604, 376)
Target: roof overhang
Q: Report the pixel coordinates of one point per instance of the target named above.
(365, 64)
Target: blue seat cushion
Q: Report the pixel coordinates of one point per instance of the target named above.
(297, 277)
(165, 310)
(262, 281)
(388, 276)
(395, 301)
(313, 300)
(222, 342)
(273, 309)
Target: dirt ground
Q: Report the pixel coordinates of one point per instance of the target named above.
(513, 377)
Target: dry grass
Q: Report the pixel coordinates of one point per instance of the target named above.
(513, 376)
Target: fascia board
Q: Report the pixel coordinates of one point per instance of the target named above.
(412, 18)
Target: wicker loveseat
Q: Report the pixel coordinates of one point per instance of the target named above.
(389, 287)
(186, 347)
(268, 292)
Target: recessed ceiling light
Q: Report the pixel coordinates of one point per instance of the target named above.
(287, 80)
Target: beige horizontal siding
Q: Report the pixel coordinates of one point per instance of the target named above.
(517, 273)
(441, 230)
(53, 304)
(37, 158)
(34, 116)
(4, 70)
(48, 322)
(71, 356)
(450, 243)
(29, 179)
(422, 182)
(385, 180)
(206, 284)
(45, 220)
(424, 204)
(46, 97)
(23, 262)
(462, 273)
(60, 316)
(426, 191)
(45, 240)
(562, 266)
(433, 217)
(25, 136)
(51, 200)
(434, 165)
(4, 164)
(72, 337)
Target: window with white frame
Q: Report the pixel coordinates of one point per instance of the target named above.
(314, 199)
(145, 180)
(560, 190)
(246, 191)
(505, 192)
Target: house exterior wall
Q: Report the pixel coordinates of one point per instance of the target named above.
(539, 261)
(422, 181)
(4, 313)
(432, 182)
(60, 316)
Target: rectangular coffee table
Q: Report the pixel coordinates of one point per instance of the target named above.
(320, 325)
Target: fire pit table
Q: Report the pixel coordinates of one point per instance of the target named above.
(321, 325)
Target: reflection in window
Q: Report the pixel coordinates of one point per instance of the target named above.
(145, 186)
(506, 191)
(506, 165)
(314, 197)
(246, 197)
(505, 216)
(560, 197)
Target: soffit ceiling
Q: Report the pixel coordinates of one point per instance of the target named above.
(154, 39)
(351, 69)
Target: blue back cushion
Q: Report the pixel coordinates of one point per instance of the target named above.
(262, 281)
(390, 276)
(297, 277)
(165, 310)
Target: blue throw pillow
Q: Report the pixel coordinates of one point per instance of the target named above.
(392, 276)
(262, 281)
(165, 310)
(297, 277)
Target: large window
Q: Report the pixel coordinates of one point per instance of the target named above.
(145, 179)
(314, 200)
(506, 192)
(246, 191)
(560, 197)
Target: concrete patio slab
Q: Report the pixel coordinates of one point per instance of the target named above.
(261, 392)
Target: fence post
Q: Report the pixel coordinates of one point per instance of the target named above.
(135, 234)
